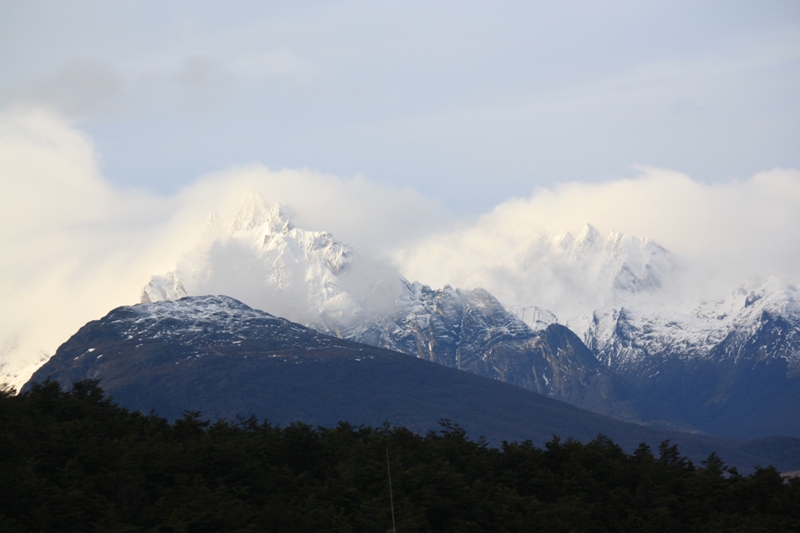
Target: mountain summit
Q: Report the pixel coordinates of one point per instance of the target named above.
(312, 278)
(729, 367)
(306, 276)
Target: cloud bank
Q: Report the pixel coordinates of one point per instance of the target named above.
(74, 247)
(724, 232)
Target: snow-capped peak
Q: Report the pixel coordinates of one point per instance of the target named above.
(279, 219)
(267, 262)
(618, 263)
(251, 214)
(770, 295)
(534, 317)
(578, 279)
(588, 237)
(163, 288)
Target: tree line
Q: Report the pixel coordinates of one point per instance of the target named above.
(76, 461)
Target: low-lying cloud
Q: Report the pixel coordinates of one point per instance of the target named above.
(74, 247)
(723, 233)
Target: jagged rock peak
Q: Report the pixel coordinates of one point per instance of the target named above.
(616, 236)
(161, 288)
(535, 317)
(563, 240)
(251, 214)
(589, 234)
(279, 219)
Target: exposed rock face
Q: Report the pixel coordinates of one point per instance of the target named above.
(472, 331)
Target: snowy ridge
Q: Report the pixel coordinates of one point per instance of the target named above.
(221, 312)
(263, 259)
(200, 322)
(569, 276)
(621, 304)
(311, 278)
(619, 263)
(607, 268)
(427, 320)
(640, 352)
(535, 317)
(628, 338)
(166, 287)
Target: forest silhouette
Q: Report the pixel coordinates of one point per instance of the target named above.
(76, 461)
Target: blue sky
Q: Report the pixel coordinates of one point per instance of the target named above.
(469, 103)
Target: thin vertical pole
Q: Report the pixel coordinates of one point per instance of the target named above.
(391, 497)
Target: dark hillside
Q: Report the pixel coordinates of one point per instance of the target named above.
(219, 357)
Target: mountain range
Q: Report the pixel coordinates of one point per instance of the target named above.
(215, 355)
(728, 367)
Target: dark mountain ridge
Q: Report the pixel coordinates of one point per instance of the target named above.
(471, 330)
(216, 355)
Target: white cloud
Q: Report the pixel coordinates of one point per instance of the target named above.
(723, 232)
(369, 216)
(74, 247)
(71, 244)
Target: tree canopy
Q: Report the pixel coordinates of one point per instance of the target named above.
(76, 461)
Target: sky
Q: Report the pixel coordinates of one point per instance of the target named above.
(467, 102)
(432, 134)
